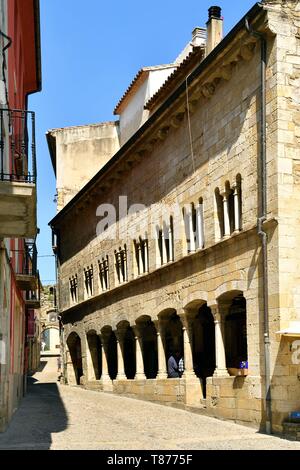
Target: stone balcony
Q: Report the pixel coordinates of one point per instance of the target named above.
(17, 209)
(25, 263)
(18, 200)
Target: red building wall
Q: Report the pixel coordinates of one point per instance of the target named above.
(23, 79)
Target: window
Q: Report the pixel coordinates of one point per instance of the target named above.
(229, 208)
(141, 255)
(104, 273)
(194, 226)
(73, 288)
(165, 240)
(121, 264)
(88, 281)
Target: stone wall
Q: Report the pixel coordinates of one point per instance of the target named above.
(225, 143)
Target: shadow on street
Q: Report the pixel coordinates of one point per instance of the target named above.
(41, 414)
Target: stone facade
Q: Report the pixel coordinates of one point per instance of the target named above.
(49, 323)
(204, 299)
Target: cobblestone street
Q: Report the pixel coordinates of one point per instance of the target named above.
(54, 416)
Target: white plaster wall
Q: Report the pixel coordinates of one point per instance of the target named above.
(54, 340)
(134, 115)
(80, 153)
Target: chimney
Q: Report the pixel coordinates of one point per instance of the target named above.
(214, 28)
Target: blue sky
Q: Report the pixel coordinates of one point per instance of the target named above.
(91, 50)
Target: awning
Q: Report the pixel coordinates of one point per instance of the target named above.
(292, 330)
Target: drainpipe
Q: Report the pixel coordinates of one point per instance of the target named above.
(9, 43)
(262, 182)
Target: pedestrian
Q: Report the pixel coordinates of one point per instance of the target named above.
(181, 367)
(173, 369)
(59, 366)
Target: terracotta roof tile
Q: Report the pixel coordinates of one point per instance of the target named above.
(186, 66)
(141, 74)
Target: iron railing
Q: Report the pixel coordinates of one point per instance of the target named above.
(35, 295)
(17, 146)
(25, 261)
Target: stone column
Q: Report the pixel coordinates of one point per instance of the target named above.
(105, 375)
(200, 226)
(236, 198)
(140, 374)
(171, 243)
(187, 348)
(162, 368)
(121, 370)
(139, 248)
(191, 230)
(163, 245)
(226, 214)
(221, 369)
(125, 266)
(145, 246)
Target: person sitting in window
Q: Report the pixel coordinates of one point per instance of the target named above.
(173, 365)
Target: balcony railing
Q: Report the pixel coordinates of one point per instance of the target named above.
(25, 261)
(17, 146)
(33, 297)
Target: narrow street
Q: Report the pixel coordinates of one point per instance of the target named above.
(54, 416)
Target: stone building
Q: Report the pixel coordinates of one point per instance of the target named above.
(49, 322)
(185, 233)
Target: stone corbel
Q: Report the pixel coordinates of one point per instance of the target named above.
(192, 106)
(142, 152)
(247, 51)
(104, 187)
(177, 120)
(196, 93)
(162, 133)
(147, 147)
(226, 72)
(208, 90)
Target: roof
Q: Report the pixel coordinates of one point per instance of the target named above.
(181, 89)
(137, 81)
(179, 73)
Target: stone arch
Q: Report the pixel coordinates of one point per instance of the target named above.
(119, 319)
(232, 306)
(203, 343)
(236, 347)
(110, 350)
(192, 303)
(51, 337)
(238, 285)
(172, 333)
(92, 327)
(165, 308)
(126, 339)
(74, 361)
(148, 335)
(94, 356)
